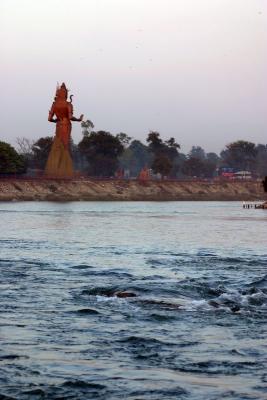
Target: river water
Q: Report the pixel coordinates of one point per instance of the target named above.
(195, 329)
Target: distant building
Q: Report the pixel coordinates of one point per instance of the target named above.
(243, 175)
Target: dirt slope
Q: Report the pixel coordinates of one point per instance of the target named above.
(72, 190)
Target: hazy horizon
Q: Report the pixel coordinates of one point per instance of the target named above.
(195, 70)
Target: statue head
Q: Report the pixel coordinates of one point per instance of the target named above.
(62, 92)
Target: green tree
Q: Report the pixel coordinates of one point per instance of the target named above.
(179, 164)
(10, 161)
(135, 157)
(200, 164)
(194, 167)
(102, 150)
(155, 143)
(261, 159)
(197, 152)
(162, 164)
(240, 155)
(213, 158)
(124, 139)
(163, 152)
(209, 168)
(211, 162)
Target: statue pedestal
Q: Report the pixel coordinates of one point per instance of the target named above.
(59, 163)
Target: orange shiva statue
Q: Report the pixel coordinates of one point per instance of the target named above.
(59, 162)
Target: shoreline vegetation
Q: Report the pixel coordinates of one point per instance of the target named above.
(129, 190)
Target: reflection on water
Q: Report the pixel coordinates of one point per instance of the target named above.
(132, 300)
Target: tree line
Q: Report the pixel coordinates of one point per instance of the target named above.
(101, 154)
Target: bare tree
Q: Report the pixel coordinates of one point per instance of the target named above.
(24, 146)
(87, 127)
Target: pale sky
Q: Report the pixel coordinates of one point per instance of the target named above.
(192, 69)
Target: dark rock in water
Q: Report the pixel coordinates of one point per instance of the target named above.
(109, 292)
(162, 304)
(4, 397)
(124, 294)
(87, 311)
(35, 392)
(82, 384)
(235, 308)
(214, 303)
(11, 357)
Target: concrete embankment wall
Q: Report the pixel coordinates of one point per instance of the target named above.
(104, 190)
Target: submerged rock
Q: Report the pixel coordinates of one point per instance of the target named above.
(124, 294)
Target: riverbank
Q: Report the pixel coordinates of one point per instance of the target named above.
(133, 190)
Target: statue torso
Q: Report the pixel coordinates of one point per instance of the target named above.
(62, 109)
